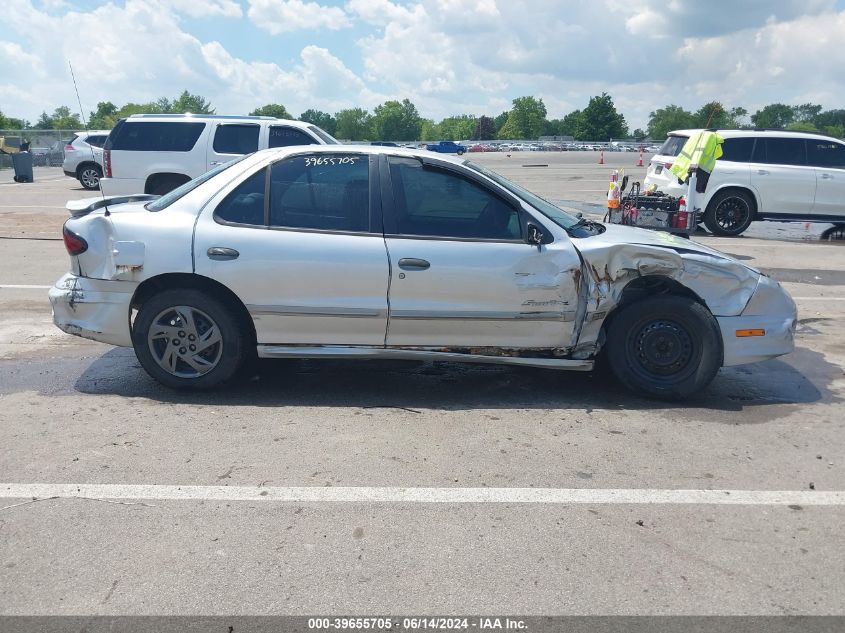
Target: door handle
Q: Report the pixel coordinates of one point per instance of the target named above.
(827, 177)
(412, 263)
(216, 162)
(762, 172)
(221, 253)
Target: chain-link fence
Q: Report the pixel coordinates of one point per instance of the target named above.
(47, 146)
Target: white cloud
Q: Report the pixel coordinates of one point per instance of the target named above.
(283, 16)
(208, 8)
(447, 56)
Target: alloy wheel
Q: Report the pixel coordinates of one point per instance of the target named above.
(185, 342)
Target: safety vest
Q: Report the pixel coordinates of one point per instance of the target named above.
(701, 150)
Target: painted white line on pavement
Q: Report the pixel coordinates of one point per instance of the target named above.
(24, 287)
(819, 298)
(424, 495)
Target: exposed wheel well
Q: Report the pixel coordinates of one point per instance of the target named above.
(649, 286)
(154, 285)
(745, 190)
(155, 180)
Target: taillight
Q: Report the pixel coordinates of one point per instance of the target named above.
(74, 244)
(69, 148)
(107, 163)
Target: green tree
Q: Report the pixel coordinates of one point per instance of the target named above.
(64, 119)
(485, 129)
(639, 134)
(195, 104)
(397, 121)
(353, 124)
(569, 124)
(526, 119)
(321, 119)
(715, 115)
(807, 112)
(44, 122)
(11, 123)
(671, 117)
(774, 115)
(501, 120)
(104, 117)
(802, 126)
(830, 118)
(429, 131)
(600, 121)
(457, 128)
(276, 110)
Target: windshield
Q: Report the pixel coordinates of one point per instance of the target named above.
(553, 212)
(327, 138)
(169, 198)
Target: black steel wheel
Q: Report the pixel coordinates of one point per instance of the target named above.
(729, 213)
(665, 346)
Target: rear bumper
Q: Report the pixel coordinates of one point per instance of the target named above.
(96, 309)
(121, 186)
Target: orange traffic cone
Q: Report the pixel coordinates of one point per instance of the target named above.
(640, 162)
(601, 158)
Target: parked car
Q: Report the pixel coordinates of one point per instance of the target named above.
(465, 265)
(56, 155)
(762, 175)
(40, 156)
(155, 153)
(446, 147)
(83, 157)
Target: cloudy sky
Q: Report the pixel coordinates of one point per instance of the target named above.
(447, 56)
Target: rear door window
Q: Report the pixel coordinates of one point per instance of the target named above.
(329, 192)
(672, 146)
(780, 151)
(236, 139)
(245, 205)
(147, 136)
(824, 153)
(737, 150)
(285, 136)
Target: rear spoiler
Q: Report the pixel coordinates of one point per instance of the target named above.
(78, 208)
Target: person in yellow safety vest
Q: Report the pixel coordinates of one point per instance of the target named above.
(701, 151)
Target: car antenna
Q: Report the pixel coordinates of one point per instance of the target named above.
(85, 125)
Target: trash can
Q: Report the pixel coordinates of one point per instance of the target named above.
(22, 162)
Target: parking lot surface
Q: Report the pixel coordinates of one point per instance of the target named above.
(427, 488)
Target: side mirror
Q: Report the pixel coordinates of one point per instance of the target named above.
(535, 235)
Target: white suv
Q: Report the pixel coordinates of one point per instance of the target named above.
(155, 153)
(762, 175)
(83, 157)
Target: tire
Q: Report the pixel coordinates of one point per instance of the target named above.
(666, 347)
(730, 212)
(89, 176)
(162, 336)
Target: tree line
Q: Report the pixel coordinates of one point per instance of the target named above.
(394, 120)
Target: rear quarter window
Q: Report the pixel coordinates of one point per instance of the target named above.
(672, 146)
(780, 151)
(147, 136)
(737, 150)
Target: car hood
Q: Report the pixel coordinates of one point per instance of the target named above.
(621, 254)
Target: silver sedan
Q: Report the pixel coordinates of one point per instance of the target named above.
(381, 252)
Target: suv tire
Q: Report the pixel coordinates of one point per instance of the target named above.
(89, 176)
(186, 339)
(730, 212)
(667, 347)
